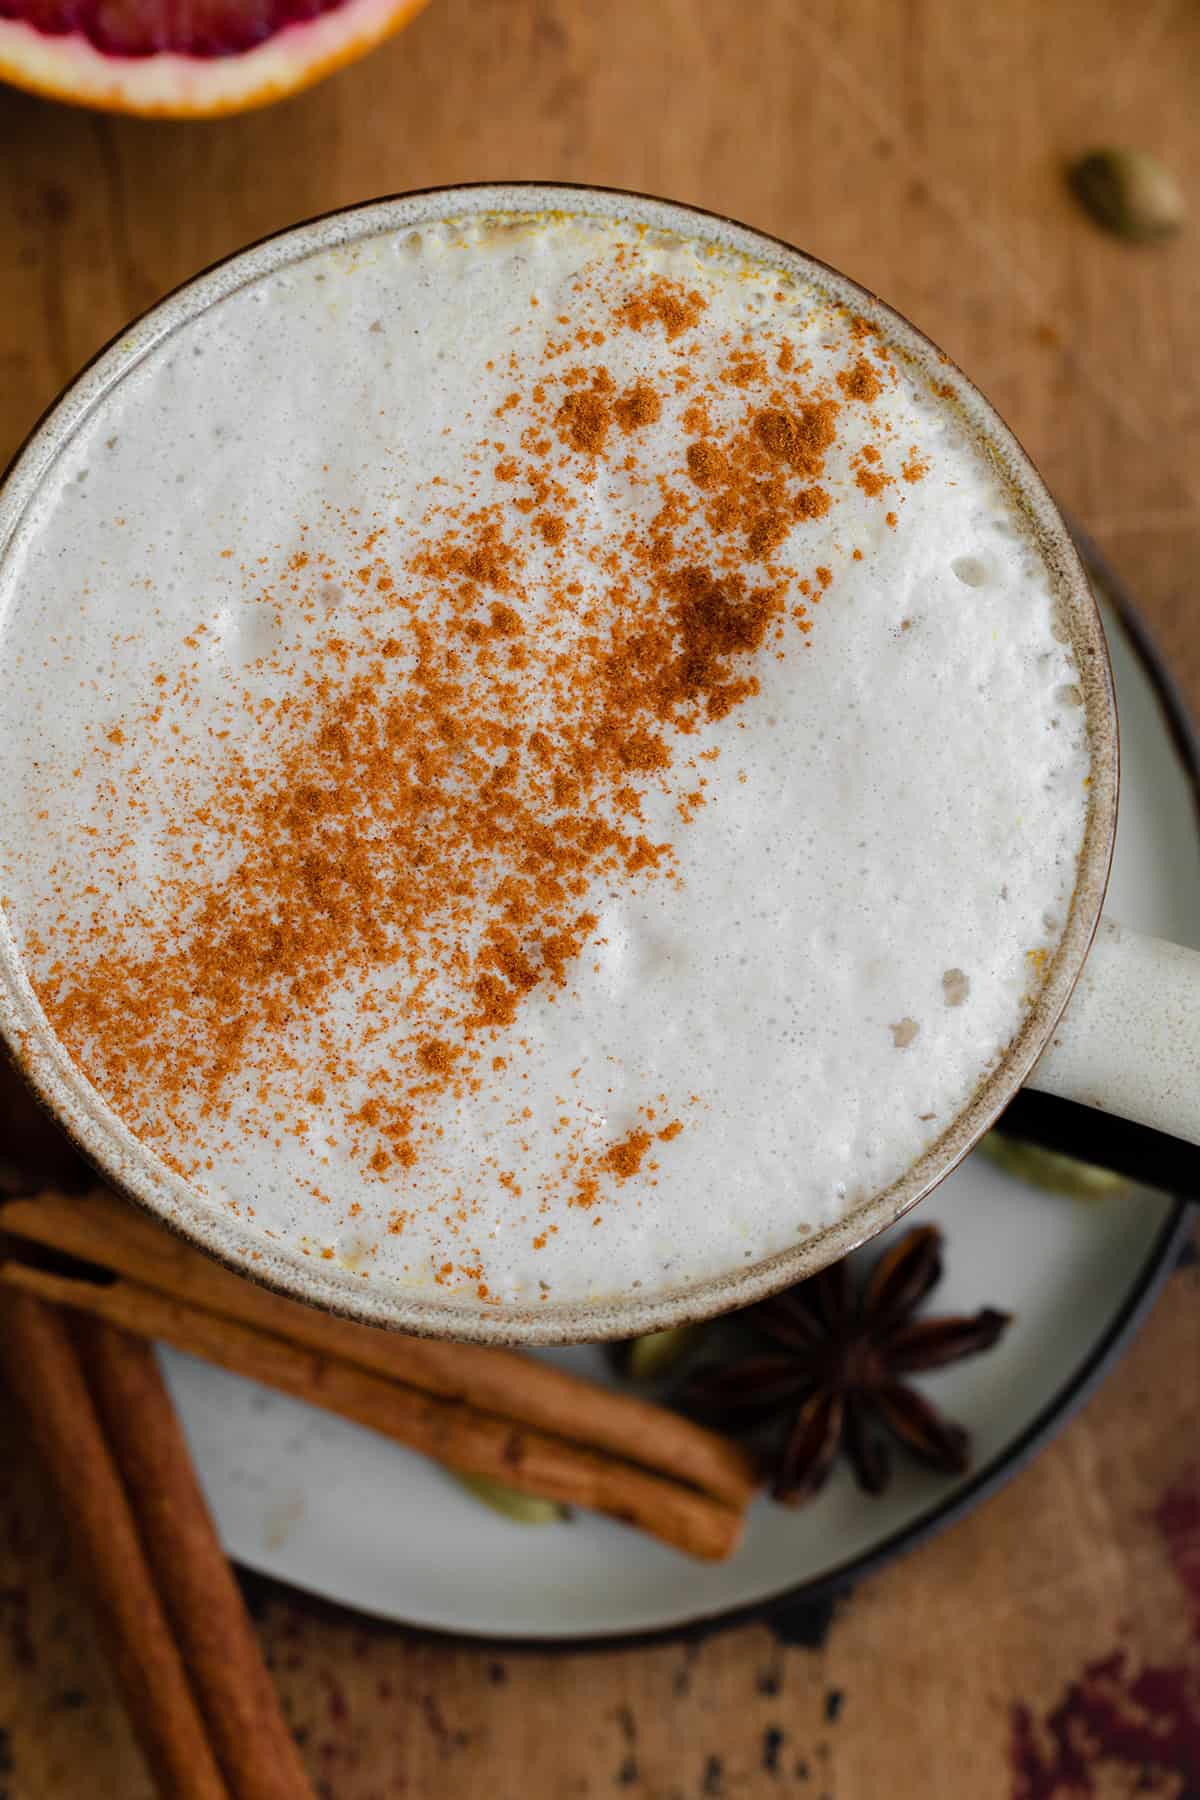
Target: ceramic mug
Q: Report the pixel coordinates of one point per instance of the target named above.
(1116, 1024)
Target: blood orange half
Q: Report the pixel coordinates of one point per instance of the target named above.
(185, 58)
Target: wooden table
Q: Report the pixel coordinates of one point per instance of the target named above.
(1048, 1648)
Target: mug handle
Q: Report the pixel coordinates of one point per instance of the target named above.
(1129, 1041)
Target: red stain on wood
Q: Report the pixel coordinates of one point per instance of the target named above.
(1117, 1730)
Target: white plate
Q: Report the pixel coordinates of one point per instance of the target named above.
(333, 1509)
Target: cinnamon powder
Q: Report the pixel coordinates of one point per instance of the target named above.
(447, 791)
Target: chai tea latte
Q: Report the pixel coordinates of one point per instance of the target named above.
(538, 760)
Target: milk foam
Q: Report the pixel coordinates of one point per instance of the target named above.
(855, 917)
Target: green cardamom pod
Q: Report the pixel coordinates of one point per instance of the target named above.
(1049, 1169)
(1130, 193)
(524, 1509)
(656, 1354)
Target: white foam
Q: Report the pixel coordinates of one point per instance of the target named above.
(903, 801)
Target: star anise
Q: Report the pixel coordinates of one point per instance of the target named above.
(837, 1371)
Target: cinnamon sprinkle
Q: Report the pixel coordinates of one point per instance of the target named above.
(625, 1158)
(676, 309)
(465, 758)
(860, 382)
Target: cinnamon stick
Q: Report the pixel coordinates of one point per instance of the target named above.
(236, 1696)
(42, 1368)
(451, 1432)
(104, 1229)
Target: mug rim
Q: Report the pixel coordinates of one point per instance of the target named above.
(137, 1172)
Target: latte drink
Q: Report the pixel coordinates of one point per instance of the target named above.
(538, 757)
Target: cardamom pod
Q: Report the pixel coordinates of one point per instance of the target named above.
(1049, 1169)
(524, 1509)
(656, 1354)
(1130, 193)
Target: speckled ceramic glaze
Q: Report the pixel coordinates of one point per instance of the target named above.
(123, 1157)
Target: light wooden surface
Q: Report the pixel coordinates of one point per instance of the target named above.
(1049, 1647)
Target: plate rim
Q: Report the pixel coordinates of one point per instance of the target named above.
(1067, 1400)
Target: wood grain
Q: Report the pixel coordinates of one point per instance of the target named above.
(919, 146)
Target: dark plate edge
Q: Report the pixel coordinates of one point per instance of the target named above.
(823, 1589)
